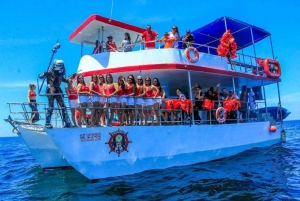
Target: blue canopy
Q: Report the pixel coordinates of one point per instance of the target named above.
(211, 33)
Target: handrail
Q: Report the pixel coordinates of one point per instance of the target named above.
(208, 119)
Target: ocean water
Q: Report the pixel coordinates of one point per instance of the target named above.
(270, 173)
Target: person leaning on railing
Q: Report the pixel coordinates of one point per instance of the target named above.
(35, 116)
(168, 42)
(97, 48)
(175, 36)
(187, 39)
(110, 44)
(126, 43)
(149, 37)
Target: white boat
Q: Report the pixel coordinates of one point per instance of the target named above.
(36, 139)
(41, 147)
(100, 152)
(116, 151)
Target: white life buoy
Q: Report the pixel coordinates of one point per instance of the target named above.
(221, 115)
(188, 56)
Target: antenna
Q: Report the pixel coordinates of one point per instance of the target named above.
(111, 10)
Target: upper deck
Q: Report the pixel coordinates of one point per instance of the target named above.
(170, 64)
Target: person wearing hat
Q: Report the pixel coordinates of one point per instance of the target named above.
(187, 39)
(110, 44)
(168, 42)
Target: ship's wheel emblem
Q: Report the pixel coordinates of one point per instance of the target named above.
(118, 142)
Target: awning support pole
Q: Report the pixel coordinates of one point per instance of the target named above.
(191, 97)
(98, 38)
(265, 99)
(253, 48)
(81, 49)
(102, 42)
(233, 86)
(272, 47)
(278, 90)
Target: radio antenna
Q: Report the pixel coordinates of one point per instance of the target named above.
(111, 10)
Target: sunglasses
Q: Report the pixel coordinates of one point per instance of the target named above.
(101, 77)
(108, 77)
(80, 78)
(139, 79)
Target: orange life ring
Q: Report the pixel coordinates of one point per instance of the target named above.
(272, 68)
(221, 115)
(188, 56)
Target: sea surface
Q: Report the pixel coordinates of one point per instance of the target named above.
(270, 173)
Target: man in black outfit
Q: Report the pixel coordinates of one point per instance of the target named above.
(187, 39)
(55, 76)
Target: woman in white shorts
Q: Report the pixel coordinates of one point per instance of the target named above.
(110, 90)
(139, 101)
(157, 101)
(102, 101)
(95, 91)
(83, 91)
(122, 100)
(130, 92)
(149, 91)
(73, 100)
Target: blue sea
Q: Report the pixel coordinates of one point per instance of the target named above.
(270, 173)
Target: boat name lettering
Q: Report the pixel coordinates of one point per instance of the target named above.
(90, 137)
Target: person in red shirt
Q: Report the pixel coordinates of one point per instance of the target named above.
(149, 37)
(97, 48)
(110, 44)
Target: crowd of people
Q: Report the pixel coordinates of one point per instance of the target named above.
(138, 101)
(246, 98)
(149, 37)
(121, 97)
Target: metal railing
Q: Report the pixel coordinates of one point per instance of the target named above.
(243, 63)
(171, 117)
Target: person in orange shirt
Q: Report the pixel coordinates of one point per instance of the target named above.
(168, 42)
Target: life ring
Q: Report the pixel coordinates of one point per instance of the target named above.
(272, 68)
(221, 115)
(188, 56)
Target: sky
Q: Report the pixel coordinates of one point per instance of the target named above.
(29, 30)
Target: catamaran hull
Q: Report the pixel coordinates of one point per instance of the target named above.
(116, 151)
(41, 147)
